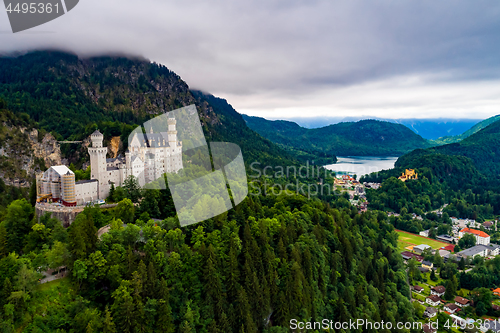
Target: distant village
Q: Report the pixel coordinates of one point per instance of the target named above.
(355, 190)
(431, 295)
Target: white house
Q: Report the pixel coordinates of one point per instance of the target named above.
(482, 238)
(424, 233)
(462, 302)
(430, 312)
(451, 307)
(421, 248)
(438, 290)
(433, 300)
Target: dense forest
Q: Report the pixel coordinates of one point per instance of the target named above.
(476, 128)
(362, 138)
(273, 258)
(481, 149)
(254, 268)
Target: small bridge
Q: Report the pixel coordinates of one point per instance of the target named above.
(69, 141)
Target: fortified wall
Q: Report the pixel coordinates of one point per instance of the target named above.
(64, 214)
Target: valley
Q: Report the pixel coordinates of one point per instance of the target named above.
(349, 253)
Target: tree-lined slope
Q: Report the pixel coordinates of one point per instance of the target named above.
(362, 138)
(474, 129)
(71, 97)
(481, 148)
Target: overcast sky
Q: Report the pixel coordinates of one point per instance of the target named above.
(279, 59)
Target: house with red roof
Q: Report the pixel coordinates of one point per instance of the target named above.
(451, 308)
(482, 238)
(438, 290)
(433, 300)
(418, 289)
(461, 302)
(408, 255)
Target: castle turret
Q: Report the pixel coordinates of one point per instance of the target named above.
(68, 189)
(98, 160)
(172, 132)
(96, 139)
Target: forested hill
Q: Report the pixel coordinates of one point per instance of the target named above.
(474, 129)
(362, 138)
(71, 97)
(480, 151)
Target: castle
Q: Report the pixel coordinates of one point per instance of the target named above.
(148, 157)
(408, 174)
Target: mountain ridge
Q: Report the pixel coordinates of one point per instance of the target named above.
(70, 97)
(474, 129)
(362, 138)
(481, 150)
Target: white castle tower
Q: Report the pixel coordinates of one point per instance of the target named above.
(173, 157)
(172, 132)
(98, 163)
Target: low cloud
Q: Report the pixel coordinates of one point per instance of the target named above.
(274, 58)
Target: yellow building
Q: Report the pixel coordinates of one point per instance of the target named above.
(408, 174)
(427, 264)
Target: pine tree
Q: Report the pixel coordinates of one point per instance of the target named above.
(130, 261)
(142, 270)
(3, 241)
(89, 231)
(233, 274)
(224, 325)
(77, 246)
(89, 328)
(112, 190)
(165, 322)
(151, 288)
(137, 286)
(451, 288)
(213, 286)
(123, 308)
(212, 327)
(6, 292)
(244, 311)
(109, 325)
(185, 327)
(461, 264)
(433, 275)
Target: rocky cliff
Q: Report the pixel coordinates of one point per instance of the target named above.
(24, 152)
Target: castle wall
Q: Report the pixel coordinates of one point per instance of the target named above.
(164, 155)
(86, 191)
(64, 214)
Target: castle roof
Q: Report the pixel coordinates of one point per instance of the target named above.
(96, 133)
(475, 232)
(135, 157)
(86, 181)
(156, 140)
(61, 169)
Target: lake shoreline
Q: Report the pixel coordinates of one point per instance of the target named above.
(361, 165)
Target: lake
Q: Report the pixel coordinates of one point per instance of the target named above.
(361, 165)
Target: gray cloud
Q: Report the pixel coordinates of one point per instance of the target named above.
(271, 58)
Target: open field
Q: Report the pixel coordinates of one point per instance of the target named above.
(407, 239)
